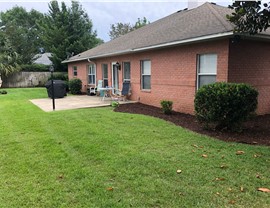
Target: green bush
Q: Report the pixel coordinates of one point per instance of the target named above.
(75, 86)
(225, 105)
(35, 68)
(3, 92)
(115, 104)
(59, 76)
(166, 106)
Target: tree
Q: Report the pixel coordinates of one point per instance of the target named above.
(20, 29)
(141, 23)
(67, 31)
(8, 58)
(120, 29)
(250, 16)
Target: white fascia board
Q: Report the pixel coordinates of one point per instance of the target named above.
(112, 54)
(73, 60)
(180, 42)
(260, 36)
(98, 56)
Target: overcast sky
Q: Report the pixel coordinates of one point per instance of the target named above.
(103, 13)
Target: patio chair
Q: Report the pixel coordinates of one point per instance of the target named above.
(91, 90)
(124, 93)
(100, 83)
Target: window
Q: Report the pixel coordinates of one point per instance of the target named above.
(92, 74)
(207, 69)
(75, 72)
(105, 75)
(126, 71)
(146, 75)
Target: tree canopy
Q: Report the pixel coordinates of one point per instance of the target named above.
(62, 31)
(67, 31)
(8, 58)
(250, 16)
(20, 32)
(119, 29)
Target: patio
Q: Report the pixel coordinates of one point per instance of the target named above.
(74, 102)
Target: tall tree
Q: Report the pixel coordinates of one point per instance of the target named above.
(67, 31)
(141, 22)
(20, 29)
(8, 57)
(119, 29)
(250, 16)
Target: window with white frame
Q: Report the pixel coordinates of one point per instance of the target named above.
(126, 71)
(92, 74)
(146, 75)
(207, 69)
(105, 74)
(75, 72)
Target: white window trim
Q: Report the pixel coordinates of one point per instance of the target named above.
(103, 73)
(123, 64)
(73, 71)
(89, 73)
(198, 68)
(150, 74)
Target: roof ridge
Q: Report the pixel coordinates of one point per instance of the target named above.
(218, 16)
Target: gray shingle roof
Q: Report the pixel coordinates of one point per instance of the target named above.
(203, 21)
(43, 59)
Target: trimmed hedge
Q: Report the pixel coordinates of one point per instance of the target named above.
(226, 105)
(75, 86)
(166, 106)
(35, 68)
(59, 76)
(3, 92)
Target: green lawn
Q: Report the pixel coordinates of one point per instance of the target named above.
(99, 158)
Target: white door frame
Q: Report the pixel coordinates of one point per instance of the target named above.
(116, 88)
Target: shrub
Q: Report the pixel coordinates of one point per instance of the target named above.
(35, 68)
(225, 105)
(59, 76)
(115, 104)
(3, 92)
(166, 106)
(75, 86)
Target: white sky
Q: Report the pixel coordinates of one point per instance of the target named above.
(103, 13)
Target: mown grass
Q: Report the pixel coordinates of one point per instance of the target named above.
(99, 158)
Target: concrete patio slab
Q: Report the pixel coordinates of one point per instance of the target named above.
(73, 102)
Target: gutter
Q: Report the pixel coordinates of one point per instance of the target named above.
(259, 36)
(98, 56)
(180, 42)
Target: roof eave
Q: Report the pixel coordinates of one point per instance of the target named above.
(182, 42)
(258, 36)
(163, 45)
(73, 60)
(98, 56)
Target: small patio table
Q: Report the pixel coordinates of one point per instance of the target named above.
(107, 92)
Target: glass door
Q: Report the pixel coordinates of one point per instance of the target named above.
(115, 78)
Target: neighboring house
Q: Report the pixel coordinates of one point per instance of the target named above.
(174, 56)
(43, 58)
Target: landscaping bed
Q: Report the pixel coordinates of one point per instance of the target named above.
(256, 131)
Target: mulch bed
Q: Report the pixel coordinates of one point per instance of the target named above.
(256, 131)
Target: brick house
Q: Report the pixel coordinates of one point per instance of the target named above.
(172, 57)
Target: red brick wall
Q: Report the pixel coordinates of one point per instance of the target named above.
(173, 72)
(82, 72)
(250, 63)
